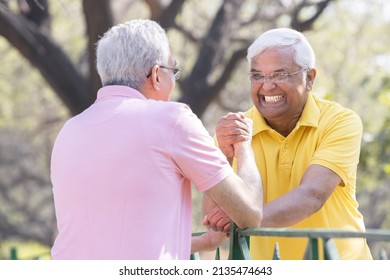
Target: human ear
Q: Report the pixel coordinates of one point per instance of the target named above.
(310, 76)
(155, 78)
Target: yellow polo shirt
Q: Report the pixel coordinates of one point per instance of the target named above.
(327, 134)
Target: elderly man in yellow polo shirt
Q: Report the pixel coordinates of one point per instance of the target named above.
(306, 148)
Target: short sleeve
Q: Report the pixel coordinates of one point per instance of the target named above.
(339, 148)
(195, 153)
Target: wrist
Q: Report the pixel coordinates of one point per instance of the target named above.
(243, 147)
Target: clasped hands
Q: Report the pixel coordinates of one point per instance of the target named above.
(232, 131)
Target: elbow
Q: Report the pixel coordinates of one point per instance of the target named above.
(257, 219)
(317, 204)
(252, 220)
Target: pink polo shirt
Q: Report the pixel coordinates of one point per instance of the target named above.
(121, 174)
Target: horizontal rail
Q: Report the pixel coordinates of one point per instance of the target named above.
(372, 234)
(239, 242)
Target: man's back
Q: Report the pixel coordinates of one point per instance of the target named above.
(123, 166)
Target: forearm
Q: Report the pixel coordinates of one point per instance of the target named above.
(240, 195)
(198, 244)
(317, 185)
(208, 241)
(290, 209)
(248, 172)
(207, 204)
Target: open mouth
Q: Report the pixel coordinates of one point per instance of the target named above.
(272, 99)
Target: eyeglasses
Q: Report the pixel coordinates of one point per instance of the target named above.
(176, 72)
(276, 77)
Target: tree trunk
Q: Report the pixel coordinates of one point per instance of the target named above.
(98, 18)
(197, 87)
(45, 55)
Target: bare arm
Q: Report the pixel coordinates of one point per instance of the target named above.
(317, 184)
(241, 197)
(210, 240)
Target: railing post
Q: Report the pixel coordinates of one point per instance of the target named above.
(195, 256)
(234, 252)
(239, 241)
(13, 254)
(330, 250)
(217, 254)
(276, 255)
(382, 254)
(311, 252)
(238, 247)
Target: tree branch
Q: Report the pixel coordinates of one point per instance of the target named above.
(228, 71)
(167, 18)
(44, 54)
(36, 11)
(155, 8)
(307, 24)
(98, 19)
(196, 87)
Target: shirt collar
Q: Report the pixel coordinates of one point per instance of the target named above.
(123, 91)
(310, 116)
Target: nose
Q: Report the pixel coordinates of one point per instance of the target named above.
(268, 83)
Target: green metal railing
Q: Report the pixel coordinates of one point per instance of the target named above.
(13, 255)
(239, 241)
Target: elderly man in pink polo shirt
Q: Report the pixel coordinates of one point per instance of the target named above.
(122, 170)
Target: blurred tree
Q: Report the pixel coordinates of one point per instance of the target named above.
(209, 39)
(27, 29)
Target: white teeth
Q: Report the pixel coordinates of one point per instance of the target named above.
(273, 98)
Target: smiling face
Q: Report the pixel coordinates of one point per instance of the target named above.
(280, 103)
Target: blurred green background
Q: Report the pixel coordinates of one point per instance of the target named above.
(47, 75)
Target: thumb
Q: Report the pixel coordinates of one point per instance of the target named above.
(205, 221)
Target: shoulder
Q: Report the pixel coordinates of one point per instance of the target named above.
(337, 121)
(334, 112)
(170, 107)
(177, 116)
(168, 111)
(182, 111)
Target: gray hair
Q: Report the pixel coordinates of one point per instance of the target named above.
(285, 37)
(127, 52)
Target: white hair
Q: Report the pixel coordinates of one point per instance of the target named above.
(284, 37)
(127, 52)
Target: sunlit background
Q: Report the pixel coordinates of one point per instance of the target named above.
(351, 41)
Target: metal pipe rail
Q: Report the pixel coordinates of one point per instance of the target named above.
(239, 241)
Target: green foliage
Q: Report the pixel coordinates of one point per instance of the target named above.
(353, 65)
(30, 118)
(68, 28)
